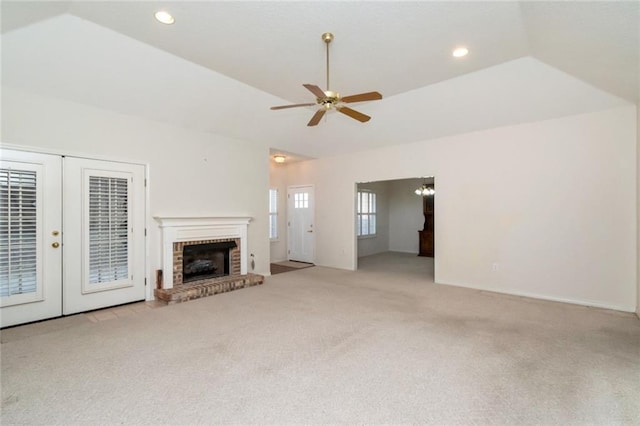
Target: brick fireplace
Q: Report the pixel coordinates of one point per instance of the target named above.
(203, 256)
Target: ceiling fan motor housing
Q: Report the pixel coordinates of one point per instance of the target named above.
(330, 100)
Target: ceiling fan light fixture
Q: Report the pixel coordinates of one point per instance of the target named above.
(425, 190)
(460, 52)
(164, 17)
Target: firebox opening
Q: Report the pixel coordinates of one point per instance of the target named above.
(209, 260)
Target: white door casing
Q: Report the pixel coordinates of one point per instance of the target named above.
(301, 233)
(104, 222)
(31, 238)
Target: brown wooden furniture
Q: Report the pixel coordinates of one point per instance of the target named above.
(426, 247)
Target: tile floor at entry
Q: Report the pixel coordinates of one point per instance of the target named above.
(55, 324)
(121, 311)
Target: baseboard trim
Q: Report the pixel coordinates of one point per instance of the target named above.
(402, 251)
(581, 302)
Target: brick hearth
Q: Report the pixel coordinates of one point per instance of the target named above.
(196, 290)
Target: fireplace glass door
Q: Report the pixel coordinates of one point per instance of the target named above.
(203, 261)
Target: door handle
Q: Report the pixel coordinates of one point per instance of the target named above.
(55, 245)
(310, 231)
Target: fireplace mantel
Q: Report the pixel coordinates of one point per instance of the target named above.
(181, 229)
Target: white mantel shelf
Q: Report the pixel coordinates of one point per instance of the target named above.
(168, 221)
(180, 229)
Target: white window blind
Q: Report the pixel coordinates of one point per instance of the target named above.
(18, 232)
(273, 214)
(366, 213)
(108, 229)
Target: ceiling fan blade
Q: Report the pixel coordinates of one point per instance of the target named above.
(361, 97)
(316, 117)
(315, 90)
(292, 106)
(354, 114)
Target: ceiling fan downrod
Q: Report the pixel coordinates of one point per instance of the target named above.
(327, 38)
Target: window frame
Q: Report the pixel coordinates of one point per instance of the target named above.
(21, 235)
(87, 284)
(371, 213)
(273, 214)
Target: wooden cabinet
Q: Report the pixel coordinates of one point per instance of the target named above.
(427, 241)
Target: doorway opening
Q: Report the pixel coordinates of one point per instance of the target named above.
(395, 226)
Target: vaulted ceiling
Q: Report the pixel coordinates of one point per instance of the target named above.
(221, 65)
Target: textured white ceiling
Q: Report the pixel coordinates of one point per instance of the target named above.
(392, 47)
(598, 42)
(402, 49)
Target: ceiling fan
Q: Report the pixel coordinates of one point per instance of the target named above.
(328, 99)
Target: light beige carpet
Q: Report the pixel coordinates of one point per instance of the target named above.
(322, 346)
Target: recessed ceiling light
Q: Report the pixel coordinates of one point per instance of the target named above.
(460, 52)
(164, 17)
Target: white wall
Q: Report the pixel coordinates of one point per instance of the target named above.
(368, 245)
(553, 202)
(638, 203)
(191, 173)
(406, 217)
(278, 180)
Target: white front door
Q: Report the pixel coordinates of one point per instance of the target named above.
(30, 237)
(104, 234)
(300, 218)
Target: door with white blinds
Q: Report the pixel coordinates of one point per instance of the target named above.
(104, 234)
(30, 237)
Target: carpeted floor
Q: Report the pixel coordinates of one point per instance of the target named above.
(316, 346)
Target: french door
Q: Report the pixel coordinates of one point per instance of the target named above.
(87, 215)
(300, 218)
(103, 234)
(30, 237)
